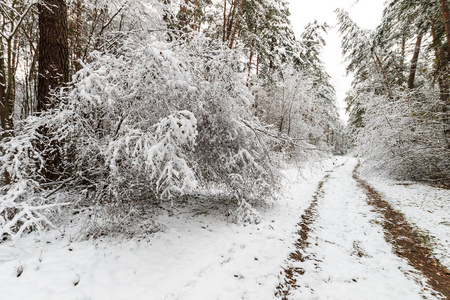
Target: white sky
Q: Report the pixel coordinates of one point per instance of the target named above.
(366, 13)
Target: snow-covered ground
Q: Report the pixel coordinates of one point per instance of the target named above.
(200, 256)
(348, 257)
(426, 207)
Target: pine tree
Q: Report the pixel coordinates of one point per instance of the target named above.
(53, 50)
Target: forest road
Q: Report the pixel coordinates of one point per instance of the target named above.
(352, 245)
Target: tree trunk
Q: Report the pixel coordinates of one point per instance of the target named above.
(9, 83)
(4, 105)
(442, 83)
(385, 85)
(5, 92)
(53, 50)
(415, 58)
(224, 21)
(230, 19)
(4, 111)
(446, 15)
(280, 128)
(53, 73)
(257, 66)
(195, 16)
(249, 67)
(236, 25)
(78, 28)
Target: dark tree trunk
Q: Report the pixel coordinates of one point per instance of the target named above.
(194, 25)
(53, 50)
(224, 29)
(5, 129)
(415, 58)
(78, 32)
(53, 73)
(446, 15)
(4, 105)
(257, 66)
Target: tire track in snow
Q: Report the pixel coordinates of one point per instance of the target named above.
(342, 252)
(307, 218)
(407, 242)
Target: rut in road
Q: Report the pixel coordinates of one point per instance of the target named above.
(342, 252)
(407, 242)
(301, 244)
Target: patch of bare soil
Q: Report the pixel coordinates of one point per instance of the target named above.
(301, 244)
(407, 242)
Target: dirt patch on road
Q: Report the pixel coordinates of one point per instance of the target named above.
(308, 217)
(407, 242)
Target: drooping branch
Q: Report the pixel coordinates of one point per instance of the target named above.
(383, 73)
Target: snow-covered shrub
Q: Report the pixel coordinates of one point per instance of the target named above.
(405, 138)
(245, 214)
(156, 121)
(160, 153)
(23, 204)
(124, 219)
(229, 154)
(23, 209)
(304, 115)
(144, 86)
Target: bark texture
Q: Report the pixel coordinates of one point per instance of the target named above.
(53, 73)
(53, 50)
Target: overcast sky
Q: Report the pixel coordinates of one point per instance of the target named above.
(366, 13)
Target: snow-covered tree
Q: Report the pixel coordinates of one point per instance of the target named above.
(399, 98)
(168, 101)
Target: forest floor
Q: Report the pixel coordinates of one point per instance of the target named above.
(332, 235)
